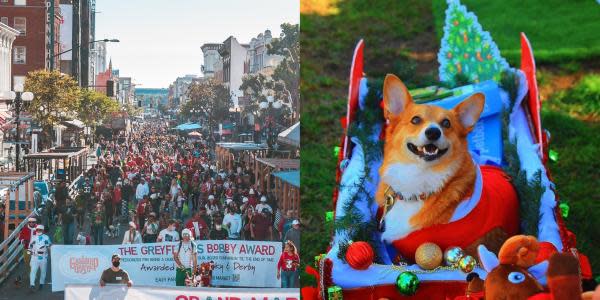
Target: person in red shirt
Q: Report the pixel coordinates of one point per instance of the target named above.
(252, 200)
(143, 209)
(25, 236)
(262, 230)
(117, 198)
(198, 227)
(287, 267)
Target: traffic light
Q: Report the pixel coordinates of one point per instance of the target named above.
(139, 103)
(110, 88)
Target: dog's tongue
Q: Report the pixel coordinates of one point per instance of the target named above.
(430, 147)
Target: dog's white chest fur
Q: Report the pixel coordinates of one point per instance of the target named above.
(410, 180)
(397, 220)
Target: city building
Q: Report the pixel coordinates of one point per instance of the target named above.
(180, 88)
(100, 56)
(126, 92)
(233, 56)
(211, 55)
(35, 47)
(7, 36)
(103, 77)
(259, 61)
(77, 41)
(150, 98)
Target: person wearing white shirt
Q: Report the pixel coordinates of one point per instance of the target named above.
(132, 236)
(39, 246)
(212, 206)
(141, 190)
(168, 234)
(175, 189)
(233, 221)
(185, 256)
(263, 204)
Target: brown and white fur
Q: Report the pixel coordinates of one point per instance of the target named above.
(425, 156)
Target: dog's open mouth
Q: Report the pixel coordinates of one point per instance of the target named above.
(427, 152)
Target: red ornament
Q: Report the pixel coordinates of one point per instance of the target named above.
(360, 255)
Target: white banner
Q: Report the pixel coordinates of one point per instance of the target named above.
(117, 292)
(242, 263)
(237, 263)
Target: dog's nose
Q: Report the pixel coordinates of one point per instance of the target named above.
(433, 133)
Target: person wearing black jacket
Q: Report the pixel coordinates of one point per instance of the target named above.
(218, 232)
(68, 222)
(60, 195)
(126, 191)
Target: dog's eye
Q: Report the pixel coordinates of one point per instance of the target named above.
(416, 120)
(445, 123)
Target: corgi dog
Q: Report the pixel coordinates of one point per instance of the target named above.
(427, 170)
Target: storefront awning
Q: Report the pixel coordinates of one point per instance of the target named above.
(74, 123)
(188, 126)
(291, 177)
(290, 136)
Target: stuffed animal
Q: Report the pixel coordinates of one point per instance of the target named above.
(205, 274)
(514, 274)
(201, 277)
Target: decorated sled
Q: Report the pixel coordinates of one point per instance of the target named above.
(508, 137)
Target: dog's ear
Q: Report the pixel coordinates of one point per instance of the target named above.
(469, 110)
(395, 96)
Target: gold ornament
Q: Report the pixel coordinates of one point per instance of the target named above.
(453, 255)
(467, 263)
(428, 256)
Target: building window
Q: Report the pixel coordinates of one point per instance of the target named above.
(4, 20)
(21, 25)
(21, 2)
(20, 55)
(4, 1)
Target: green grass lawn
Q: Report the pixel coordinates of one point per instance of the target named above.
(557, 30)
(576, 175)
(392, 30)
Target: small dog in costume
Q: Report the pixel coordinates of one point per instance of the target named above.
(431, 190)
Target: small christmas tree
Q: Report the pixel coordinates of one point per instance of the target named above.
(467, 51)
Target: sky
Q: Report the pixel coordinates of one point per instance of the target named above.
(160, 39)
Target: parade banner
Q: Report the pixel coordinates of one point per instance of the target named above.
(147, 264)
(119, 292)
(236, 263)
(242, 263)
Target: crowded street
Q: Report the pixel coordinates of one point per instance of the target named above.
(153, 185)
(129, 171)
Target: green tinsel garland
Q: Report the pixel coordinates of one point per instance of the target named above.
(363, 129)
(529, 191)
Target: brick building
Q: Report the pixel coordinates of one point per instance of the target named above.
(31, 49)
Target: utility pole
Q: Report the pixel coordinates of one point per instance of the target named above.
(85, 43)
(75, 55)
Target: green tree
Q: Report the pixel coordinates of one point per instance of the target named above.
(286, 76)
(94, 108)
(132, 110)
(255, 86)
(210, 100)
(56, 97)
(162, 108)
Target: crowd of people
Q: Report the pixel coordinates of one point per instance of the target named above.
(162, 185)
